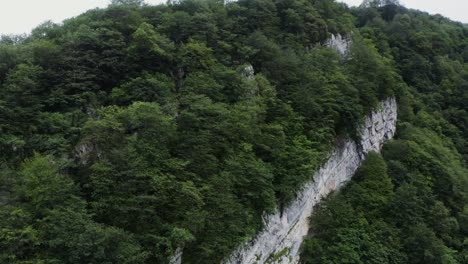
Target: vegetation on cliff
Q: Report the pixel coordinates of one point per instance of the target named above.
(411, 206)
(130, 131)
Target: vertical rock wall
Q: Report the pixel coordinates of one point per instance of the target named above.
(283, 233)
(339, 43)
(177, 257)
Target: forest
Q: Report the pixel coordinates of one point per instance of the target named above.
(131, 131)
(410, 204)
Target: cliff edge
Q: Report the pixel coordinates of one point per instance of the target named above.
(283, 232)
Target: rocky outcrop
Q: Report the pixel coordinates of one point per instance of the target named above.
(84, 151)
(177, 257)
(248, 72)
(339, 43)
(283, 232)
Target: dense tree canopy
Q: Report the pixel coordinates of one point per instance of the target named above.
(130, 131)
(409, 206)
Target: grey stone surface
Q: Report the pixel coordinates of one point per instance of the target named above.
(177, 257)
(284, 232)
(249, 72)
(339, 43)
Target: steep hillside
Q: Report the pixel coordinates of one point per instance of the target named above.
(284, 231)
(131, 131)
(411, 205)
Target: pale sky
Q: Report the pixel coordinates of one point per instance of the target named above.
(21, 16)
(454, 9)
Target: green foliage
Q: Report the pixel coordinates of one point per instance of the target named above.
(127, 2)
(48, 222)
(42, 186)
(415, 214)
(348, 227)
(134, 130)
(150, 49)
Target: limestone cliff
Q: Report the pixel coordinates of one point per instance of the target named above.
(283, 232)
(339, 43)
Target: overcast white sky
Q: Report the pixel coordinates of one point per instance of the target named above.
(20, 16)
(454, 9)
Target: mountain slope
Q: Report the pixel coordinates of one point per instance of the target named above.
(409, 206)
(130, 131)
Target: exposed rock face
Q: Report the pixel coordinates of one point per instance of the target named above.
(283, 233)
(248, 72)
(84, 151)
(177, 257)
(339, 43)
